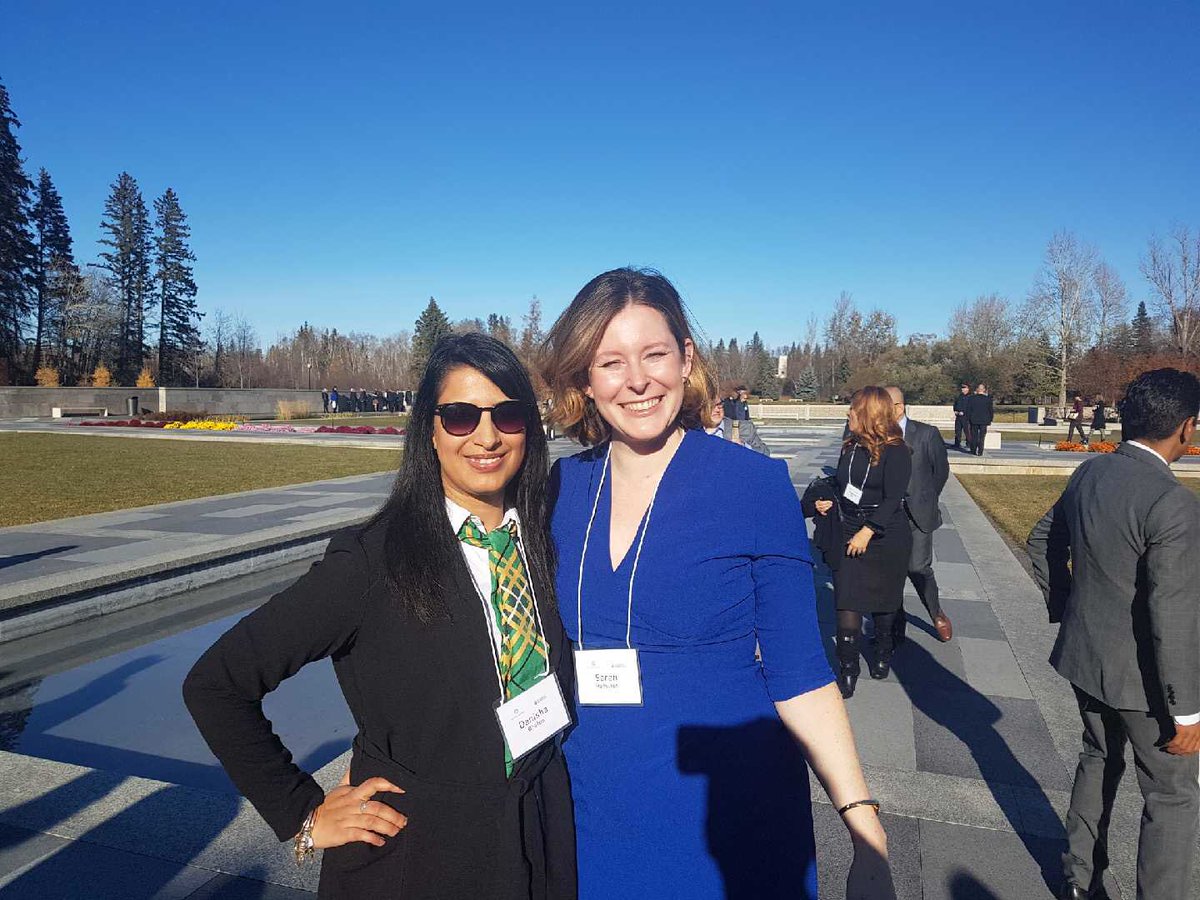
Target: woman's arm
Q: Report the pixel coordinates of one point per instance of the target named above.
(818, 722)
(315, 617)
(896, 463)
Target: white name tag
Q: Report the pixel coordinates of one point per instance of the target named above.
(533, 717)
(608, 677)
(852, 493)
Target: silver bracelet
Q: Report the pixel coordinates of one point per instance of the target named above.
(302, 846)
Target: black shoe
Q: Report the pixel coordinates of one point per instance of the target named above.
(848, 666)
(1072, 891)
(882, 666)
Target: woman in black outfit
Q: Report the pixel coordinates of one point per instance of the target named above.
(437, 804)
(872, 478)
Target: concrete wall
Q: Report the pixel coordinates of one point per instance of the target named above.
(783, 413)
(21, 402)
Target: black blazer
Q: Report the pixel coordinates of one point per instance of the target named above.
(422, 697)
(827, 531)
(979, 409)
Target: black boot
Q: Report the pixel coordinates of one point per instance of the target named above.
(848, 668)
(885, 642)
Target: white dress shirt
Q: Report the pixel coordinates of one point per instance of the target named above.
(903, 423)
(477, 558)
(1179, 720)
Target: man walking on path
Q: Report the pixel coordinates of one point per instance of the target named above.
(979, 417)
(961, 427)
(930, 469)
(1118, 560)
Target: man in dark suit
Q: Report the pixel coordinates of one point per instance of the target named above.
(930, 469)
(1118, 560)
(325, 400)
(979, 417)
(960, 416)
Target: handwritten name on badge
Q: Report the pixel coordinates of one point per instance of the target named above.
(608, 677)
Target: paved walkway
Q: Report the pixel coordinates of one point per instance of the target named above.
(970, 745)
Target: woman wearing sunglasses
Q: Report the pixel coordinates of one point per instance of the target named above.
(441, 620)
(688, 762)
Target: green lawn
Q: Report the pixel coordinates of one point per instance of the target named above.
(1014, 503)
(49, 476)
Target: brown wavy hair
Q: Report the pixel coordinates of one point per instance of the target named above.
(877, 424)
(575, 336)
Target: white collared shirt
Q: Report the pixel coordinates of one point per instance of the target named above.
(1179, 720)
(904, 425)
(1141, 446)
(476, 558)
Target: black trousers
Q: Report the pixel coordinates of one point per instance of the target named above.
(978, 433)
(1170, 787)
(1075, 425)
(960, 428)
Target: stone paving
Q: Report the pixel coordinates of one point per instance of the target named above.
(970, 746)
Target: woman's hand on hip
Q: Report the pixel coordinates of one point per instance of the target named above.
(857, 545)
(823, 507)
(349, 814)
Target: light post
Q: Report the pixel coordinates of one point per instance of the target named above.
(310, 376)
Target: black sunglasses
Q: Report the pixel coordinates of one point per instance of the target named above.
(460, 419)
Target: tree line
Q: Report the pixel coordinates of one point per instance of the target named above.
(131, 313)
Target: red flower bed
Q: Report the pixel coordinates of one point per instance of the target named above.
(357, 429)
(1192, 451)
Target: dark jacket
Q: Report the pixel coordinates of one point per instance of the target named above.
(960, 402)
(930, 469)
(1118, 560)
(422, 697)
(827, 531)
(1099, 417)
(979, 409)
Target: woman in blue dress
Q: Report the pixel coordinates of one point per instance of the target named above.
(688, 760)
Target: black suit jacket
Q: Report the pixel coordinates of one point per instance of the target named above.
(422, 696)
(930, 469)
(979, 409)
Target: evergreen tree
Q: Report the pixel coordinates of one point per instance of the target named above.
(807, 386)
(16, 241)
(1142, 332)
(500, 327)
(54, 267)
(179, 320)
(127, 224)
(432, 326)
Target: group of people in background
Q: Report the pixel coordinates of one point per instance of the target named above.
(357, 400)
(1079, 415)
(973, 413)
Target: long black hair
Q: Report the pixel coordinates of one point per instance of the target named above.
(421, 551)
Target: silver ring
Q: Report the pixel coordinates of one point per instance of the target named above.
(362, 806)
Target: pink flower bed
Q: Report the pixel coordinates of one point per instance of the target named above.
(125, 423)
(357, 429)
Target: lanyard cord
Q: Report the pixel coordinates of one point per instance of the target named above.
(490, 617)
(866, 474)
(637, 556)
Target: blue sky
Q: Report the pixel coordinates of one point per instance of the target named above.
(341, 163)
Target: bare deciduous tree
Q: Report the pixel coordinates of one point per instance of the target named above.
(1062, 303)
(1112, 307)
(1173, 269)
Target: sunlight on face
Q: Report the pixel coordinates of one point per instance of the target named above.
(637, 375)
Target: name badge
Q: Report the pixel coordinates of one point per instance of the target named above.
(533, 717)
(852, 493)
(608, 677)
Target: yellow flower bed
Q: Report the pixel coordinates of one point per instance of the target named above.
(202, 425)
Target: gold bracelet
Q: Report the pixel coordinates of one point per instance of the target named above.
(857, 803)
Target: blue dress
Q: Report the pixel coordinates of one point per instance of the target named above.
(700, 792)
